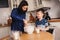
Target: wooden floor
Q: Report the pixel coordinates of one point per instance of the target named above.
(34, 36)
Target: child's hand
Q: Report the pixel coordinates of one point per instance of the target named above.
(47, 28)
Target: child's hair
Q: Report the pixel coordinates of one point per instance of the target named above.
(41, 9)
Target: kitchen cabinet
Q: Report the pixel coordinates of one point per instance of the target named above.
(34, 4)
(15, 3)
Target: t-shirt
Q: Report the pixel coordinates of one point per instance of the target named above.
(42, 23)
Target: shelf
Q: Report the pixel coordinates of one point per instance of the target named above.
(54, 20)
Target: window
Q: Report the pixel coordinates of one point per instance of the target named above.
(4, 3)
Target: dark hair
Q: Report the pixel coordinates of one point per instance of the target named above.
(47, 14)
(40, 10)
(23, 3)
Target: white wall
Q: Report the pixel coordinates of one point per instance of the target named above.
(31, 5)
(57, 34)
(4, 14)
(55, 8)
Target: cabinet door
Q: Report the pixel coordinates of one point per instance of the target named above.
(15, 3)
(34, 4)
(31, 6)
(39, 3)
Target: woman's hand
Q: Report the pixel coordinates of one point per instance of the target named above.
(25, 21)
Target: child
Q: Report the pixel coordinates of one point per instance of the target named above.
(41, 23)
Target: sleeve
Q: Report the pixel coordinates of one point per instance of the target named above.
(36, 23)
(15, 16)
(46, 23)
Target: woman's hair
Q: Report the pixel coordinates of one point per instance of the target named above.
(23, 3)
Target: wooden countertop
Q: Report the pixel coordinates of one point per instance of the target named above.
(34, 36)
(54, 20)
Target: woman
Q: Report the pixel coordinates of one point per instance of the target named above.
(18, 19)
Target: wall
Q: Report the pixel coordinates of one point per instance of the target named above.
(57, 33)
(55, 8)
(31, 5)
(4, 14)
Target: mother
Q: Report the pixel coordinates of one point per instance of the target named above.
(18, 17)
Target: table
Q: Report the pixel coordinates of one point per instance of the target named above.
(35, 36)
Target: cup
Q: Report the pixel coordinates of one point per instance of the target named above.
(37, 30)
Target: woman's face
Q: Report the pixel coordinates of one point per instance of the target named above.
(24, 8)
(39, 14)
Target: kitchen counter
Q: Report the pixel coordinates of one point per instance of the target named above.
(54, 20)
(9, 22)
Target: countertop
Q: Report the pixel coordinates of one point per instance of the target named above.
(9, 22)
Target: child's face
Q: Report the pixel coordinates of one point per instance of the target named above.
(39, 14)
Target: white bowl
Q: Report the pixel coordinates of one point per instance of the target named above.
(29, 28)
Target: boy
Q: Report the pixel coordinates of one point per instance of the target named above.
(41, 23)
